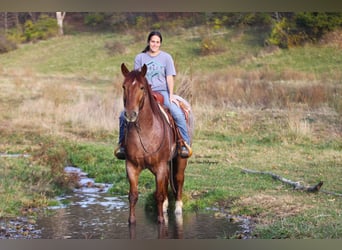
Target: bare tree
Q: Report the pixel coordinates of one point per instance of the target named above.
(8, 20)
(60, 17)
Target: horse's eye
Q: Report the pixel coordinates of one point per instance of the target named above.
(142, 87)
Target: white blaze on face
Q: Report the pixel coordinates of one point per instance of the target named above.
(134, 82)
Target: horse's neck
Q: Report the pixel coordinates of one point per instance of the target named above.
(151, 117)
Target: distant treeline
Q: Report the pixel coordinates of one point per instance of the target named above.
(286, 29)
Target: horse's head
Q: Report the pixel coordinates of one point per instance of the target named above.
(134, 90)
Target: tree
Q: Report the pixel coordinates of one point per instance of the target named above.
(60, 17)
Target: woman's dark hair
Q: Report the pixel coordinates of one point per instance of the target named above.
(152, 33)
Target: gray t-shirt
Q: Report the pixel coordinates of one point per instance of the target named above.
(158, 67)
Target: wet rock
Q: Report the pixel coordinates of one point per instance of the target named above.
(19, 228)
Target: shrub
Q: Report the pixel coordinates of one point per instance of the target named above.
(279, 34)
(257, 18)
(6, 45)
(44, 28)
(210, 46)
(143, 22)
(303, 27)
(94, 19)
(315, 25)
(15, 35)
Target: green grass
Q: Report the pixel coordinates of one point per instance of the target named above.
(27, 183)
(98, 161)
(320, 223)
(86, 55)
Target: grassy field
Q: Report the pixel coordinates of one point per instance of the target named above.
(255, 107)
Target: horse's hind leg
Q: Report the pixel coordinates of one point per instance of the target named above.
(179, 165)
(133, 176)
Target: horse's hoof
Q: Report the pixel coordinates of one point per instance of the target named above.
(179, 208)
(165, 205)
(161, 220)
(132, 221)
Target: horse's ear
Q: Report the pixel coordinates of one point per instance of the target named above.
(144, 70)
(124, 69)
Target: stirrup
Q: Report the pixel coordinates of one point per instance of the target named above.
(187, 148)
(120, 153)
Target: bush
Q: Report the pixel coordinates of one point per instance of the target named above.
(94, 19)
(15, 35)
(286, 35)
(302, 28)
(257, 19)
(210, 46)
(6, 45)
(315, 25)
(44, 28)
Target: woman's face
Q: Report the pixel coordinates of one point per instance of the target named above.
(154, 44)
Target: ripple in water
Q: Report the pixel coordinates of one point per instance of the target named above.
(91, 213)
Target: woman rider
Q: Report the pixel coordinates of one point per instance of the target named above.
(160, 75)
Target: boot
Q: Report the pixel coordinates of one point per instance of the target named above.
(185, 150)
(120, 153)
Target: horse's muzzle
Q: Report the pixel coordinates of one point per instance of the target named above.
(131, 116)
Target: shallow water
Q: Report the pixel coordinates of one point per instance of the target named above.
(92, 213)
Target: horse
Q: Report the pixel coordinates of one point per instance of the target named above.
(151, 143)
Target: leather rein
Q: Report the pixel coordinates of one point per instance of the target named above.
(138, 129)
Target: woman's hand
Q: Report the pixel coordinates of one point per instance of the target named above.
(174, 100)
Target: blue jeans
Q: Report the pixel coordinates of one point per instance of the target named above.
(176, 113)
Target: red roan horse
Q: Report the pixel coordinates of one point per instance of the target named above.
(150, 143)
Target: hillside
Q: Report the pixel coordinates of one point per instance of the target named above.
(100, 54)
(208, 62)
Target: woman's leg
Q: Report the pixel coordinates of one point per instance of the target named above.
(122, 124)
(179, 119)
(119, 152)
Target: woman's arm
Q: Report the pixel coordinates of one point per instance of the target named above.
(170, 85)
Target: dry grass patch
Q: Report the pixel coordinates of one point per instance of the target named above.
(263, 89)
(333, 39)
(57, 105)
(270, 208)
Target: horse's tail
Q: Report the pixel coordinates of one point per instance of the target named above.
(171, 178)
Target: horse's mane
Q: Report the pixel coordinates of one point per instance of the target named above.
(136, 74)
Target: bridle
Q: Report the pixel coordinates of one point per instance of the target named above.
(138, 129)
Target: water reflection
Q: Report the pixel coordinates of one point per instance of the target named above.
(103, 217)
(91, 213)
(175, 232)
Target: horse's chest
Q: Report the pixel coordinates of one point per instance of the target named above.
(147, 163)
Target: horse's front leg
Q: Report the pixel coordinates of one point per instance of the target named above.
(133, 176)
(162, 175)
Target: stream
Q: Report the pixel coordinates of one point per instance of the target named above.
(90, 212)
